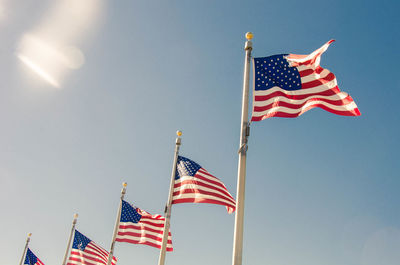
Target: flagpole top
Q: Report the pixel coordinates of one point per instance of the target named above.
(179, 133)
(29, 234)
(76, 216)
(124, 184)
(249, 36)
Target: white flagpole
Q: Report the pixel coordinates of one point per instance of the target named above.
(110, 256)
(70, 238)
(26, 247)
(244, 134)
(167, 211)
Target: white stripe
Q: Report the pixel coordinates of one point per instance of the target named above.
(348, 107)
(151, 220)
(211, 178)
(113, 262)
(317, 89)
(141, 231)
(201, 188)
(338, 96)
(88, 255)
(143, 240)
(189, 178)
(202, 196)
(153, 226)
(312, 55)
(315, 76)
(100, 251)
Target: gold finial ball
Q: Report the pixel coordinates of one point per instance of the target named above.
(29, 234)
(249, 35)
(179, 133)
(124, 184)
(75, 216)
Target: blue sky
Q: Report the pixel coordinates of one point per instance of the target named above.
(321, 188)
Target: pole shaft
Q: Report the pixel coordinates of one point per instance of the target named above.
(163, 249)
(110, 256)
(26, 247)
(69, 241)
(241, 182)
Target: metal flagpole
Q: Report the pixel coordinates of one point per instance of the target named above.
(167, 210)
(70, 238)
(26, 247)
(244, 134)
(123, 191)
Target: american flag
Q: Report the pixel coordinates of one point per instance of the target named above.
(194, 184)
(139, 227)
(287, 85)
(31, 259)
(86, 252)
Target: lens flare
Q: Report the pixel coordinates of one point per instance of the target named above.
(40, 71)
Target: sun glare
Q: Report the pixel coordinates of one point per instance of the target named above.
(40, 71)
(49, 49)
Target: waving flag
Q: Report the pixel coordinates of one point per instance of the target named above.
(31, 259)
(139, 227)
(86, 252)
(194, 184)
(287, 85)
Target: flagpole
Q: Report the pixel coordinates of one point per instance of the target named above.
(70, 238)
(244, 134)
(123, 191)
(26, 247)
(167, 210)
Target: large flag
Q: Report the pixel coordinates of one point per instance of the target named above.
(31, 259)
(85, 252)
(287, 85)
(139, 227)
(194, 184)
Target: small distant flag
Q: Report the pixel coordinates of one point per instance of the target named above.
(31, 258)
(139, 227)
(86, 252)
(193, 184)
(287, 85)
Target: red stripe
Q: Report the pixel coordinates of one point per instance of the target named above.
(150, 222)
(144, 243)
(311, 71)
(203, 192)
(197, 183)
(339, 102)
(354, 112)
(221, 187)
(87, 260)
(211, 179)
(231, 209)
(328, 92)
(139, 227)
(140, 235)
(318, 82)
(143, 237)
(139, 232)
(96, 249)
(97, 258)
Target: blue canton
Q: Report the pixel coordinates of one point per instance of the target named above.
(186, 167)
(30, 258)
(80, 241)
(275, 71)
(129, 213)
